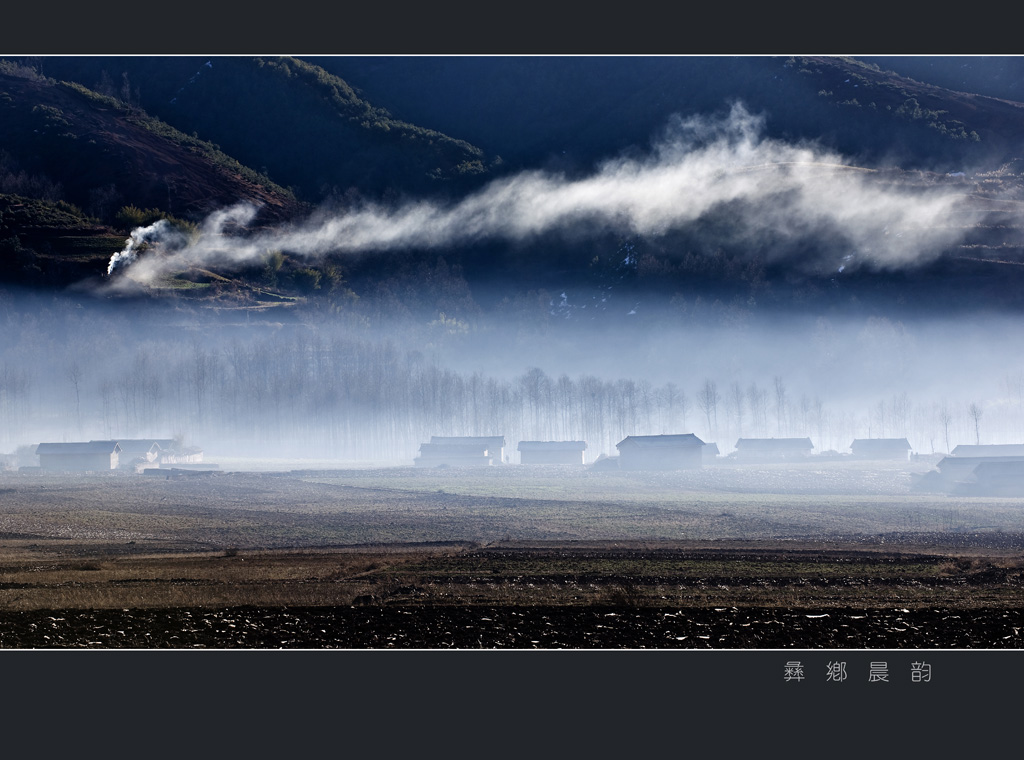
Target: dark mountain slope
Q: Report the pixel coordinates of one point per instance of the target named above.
(558, 113)
(998, 76)
(304, 126)
(101, 155)
(573, 111)
(949, 123)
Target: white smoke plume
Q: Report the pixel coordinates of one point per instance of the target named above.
(773, 190)
(139, 237)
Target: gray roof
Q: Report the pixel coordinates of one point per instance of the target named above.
(79, 447)
(453, 449)
(874, 444)
(660, 441)
(491, 441)
(552, 446)
(968, 464)
(989, 450)
(774, 444)
(1007, 468)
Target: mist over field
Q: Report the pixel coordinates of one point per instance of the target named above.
(240, 384)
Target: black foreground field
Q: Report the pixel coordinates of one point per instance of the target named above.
(505, 560)
(541, 627)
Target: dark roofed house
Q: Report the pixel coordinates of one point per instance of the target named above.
(962, 468)
(495, 444)
(773, 449)
(460, 451)
(978, 476)
(998, 478)
(989, 450)
(660, 452)
(79, 456)
(880, 448)
(552, 452)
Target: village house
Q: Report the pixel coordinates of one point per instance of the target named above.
(552, 452)
(468, 447)
(998, 478)
(772, 449)
(461, 451)
(660, 452)
(957, 473)
(962, 468)
(880, 448)
(989, 450)
(80, 456)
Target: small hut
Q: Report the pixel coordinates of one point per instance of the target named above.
(999, 478)
(881, 448)
(80, 456)
(963, 468)
(660, 452)
(494, 444)
(552, 452)
(455, 452)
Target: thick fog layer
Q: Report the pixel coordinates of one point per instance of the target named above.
(80, 370)
(773, 191)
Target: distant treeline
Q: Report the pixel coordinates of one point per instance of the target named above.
(320, 392)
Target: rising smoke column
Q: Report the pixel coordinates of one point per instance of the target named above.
(139, 237)
(773, 190)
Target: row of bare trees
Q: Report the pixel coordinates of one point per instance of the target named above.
(313, 394)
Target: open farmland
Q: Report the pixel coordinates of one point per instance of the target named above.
(811, 555)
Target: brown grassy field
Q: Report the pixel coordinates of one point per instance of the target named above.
(366, 558)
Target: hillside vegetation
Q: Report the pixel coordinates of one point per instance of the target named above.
(121, 139)
(303, 126)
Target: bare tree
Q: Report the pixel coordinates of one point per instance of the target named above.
(736, 404)
(707, 401)
(646, 394)
(758, 401)
(820, 420)
(945, 420)
(900, 413)
(878, 416)
(780, 403)
(976, 411)
(74, 375)
(668, 400)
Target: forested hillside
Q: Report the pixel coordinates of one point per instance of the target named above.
(296, 122)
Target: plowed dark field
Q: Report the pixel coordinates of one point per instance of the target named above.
(513, 628)
(507, 559)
